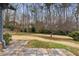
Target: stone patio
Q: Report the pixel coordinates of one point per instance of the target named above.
(18, 48)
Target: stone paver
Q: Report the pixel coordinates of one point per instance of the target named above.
(18, 48)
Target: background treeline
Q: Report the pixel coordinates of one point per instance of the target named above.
(56, 18)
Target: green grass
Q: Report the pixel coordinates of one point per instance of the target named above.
(19, 33)
(41, 44)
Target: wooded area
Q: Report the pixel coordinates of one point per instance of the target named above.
(43, 18)
(33, 22)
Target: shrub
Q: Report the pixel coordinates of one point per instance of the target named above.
(45, 31)
(25, 30)
(7, 38)
(59, 32)
(33, 29)
(74, 35)
(11, 27)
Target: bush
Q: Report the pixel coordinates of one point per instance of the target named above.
(7, 38)
(25, 30)
(45, 31)
(33, 29)
(11, 27)
(59, 32)
(74, 35)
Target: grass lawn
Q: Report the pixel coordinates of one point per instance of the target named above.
(62, 38)
(41, 44)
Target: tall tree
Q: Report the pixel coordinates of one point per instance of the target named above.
(77, 16)
(49, 16)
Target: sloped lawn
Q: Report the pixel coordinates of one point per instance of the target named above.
(41, 44)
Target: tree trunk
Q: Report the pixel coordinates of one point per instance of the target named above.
(14, 17)
(1, 29)
(76, 18)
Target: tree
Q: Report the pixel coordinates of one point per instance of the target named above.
(6, 19)
(49, 16)
(76, 16)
